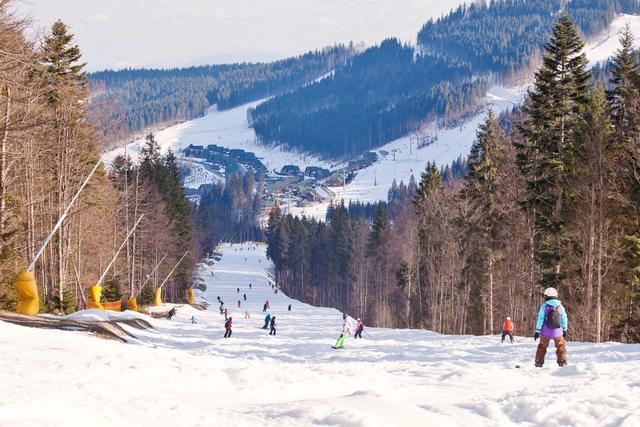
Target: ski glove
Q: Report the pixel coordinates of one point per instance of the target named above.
(536, 336)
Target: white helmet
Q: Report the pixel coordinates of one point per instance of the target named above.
(508, 318)
(551, 292)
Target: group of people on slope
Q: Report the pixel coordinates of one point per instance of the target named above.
(551, 324)
(346, 330)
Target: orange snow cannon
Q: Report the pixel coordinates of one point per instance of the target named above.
(157, 301)
(27, 290)
(191, 297)
(132, 304)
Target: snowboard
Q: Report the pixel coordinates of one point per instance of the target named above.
(337, 348)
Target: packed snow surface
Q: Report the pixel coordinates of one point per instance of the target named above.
(606, 45)
(183, 374)
(227, 128)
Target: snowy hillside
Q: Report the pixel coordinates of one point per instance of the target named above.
(181, 374)
(605, 47)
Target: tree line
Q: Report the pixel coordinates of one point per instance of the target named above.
(130, 100)
(552, 202)
(377, 96)
(48, 146)
(476, 32)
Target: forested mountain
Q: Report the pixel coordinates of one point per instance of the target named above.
(379, 95)
(552, 202)
(503, 36)
(131, 100)
(385, 92)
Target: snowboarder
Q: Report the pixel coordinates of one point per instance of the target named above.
(244, 297)
(346, 330)
(359, 329)
(237, 290)
(507, 329)
(194, 320)
(552, 324)
(273, 326)
(289, 307)
(264, 307)
(227, 327)
(171, 313)
(266, 303)
(266, 321)
(249, 285)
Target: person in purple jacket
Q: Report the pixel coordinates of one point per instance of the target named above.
(552, 324)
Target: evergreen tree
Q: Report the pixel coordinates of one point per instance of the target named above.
(481, 186)
(547, 155)
(624, 81)
(430, 180)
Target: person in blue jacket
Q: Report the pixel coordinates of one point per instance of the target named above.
(552, 324)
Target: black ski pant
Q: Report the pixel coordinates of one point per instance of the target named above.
(505, 333)
(227, 334)
(358, 334)
(273, 331)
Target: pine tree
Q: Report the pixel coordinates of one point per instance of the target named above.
(151, 158)
(624, 81)
(430, 180)
(547, 155)
(481, 192)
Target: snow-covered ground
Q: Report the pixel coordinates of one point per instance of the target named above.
(199, 173)
(604, 48)
(371, 184)
(228, 129)
(181, 374)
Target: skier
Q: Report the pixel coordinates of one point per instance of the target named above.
(264, 307)
(289, 307)
(237, 290)
(249, 285)
(220, 301)
(507, 329)
(275, 290)
(171, 313)
(266, 303)
(244, 297)
(246, 314)
(273, 326)
(227, 327)
(552, 324)
(238, 303)
(359, 329)
(266, 321)
(194, 320)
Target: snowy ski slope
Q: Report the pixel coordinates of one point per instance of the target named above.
(181, 374)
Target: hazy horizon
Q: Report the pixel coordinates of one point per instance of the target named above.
(164, 33)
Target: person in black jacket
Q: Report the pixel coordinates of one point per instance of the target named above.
(273, 326)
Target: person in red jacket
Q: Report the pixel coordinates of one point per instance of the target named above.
(227, 327)
(507, 329)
